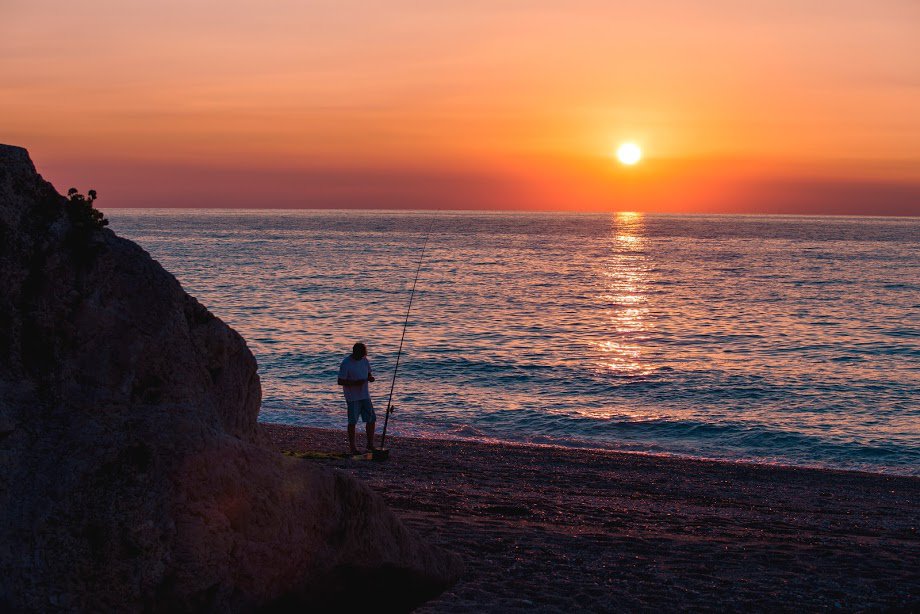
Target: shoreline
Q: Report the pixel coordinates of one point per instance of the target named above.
(561, 529)
(662, 454)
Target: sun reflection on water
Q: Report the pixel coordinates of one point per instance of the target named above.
(625, 298)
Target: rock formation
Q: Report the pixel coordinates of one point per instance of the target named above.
(131, 475)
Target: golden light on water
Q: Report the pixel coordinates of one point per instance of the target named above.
(627, 279)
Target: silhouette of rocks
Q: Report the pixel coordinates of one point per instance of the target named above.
(131, 473)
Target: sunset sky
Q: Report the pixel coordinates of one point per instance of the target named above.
(772, 106)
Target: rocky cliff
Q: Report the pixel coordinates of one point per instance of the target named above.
(131, 477)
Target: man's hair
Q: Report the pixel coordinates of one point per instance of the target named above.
(359, 349)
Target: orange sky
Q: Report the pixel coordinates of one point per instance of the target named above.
(765, 106)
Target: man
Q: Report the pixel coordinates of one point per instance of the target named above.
(354, 374)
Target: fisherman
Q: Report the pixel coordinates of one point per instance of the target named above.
(354, 374)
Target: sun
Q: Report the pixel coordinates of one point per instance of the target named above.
(629, 153)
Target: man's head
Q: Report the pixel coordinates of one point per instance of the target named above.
(359, 351)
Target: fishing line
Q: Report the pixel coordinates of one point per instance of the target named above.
(402, 338)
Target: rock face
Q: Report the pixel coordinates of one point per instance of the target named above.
(131, 475)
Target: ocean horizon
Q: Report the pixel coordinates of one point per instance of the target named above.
(760, 338)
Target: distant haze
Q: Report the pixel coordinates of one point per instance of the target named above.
(765, 106)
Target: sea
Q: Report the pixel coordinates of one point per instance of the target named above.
(774, 339)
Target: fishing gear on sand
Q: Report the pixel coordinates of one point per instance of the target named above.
(382, 453)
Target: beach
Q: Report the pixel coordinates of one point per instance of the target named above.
(555, 529)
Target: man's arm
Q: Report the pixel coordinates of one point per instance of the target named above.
(343, 377)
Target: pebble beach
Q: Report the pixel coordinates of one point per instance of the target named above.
(553, 529)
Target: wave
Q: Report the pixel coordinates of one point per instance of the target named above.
(725, 440)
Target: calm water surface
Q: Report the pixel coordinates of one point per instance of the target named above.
(786, 339)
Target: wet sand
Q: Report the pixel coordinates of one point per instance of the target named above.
(551, 529)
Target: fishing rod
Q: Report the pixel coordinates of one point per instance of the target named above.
(383, 452)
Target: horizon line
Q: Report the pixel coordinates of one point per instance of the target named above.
(519, 211)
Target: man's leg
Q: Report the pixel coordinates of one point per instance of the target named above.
(370, 435)
(353, 411)
(351, 439)
(370, 421)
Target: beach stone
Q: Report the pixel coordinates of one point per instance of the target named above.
(132, 476)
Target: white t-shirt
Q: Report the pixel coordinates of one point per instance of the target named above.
(355, 369)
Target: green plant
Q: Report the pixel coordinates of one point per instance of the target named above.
(84, 217)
